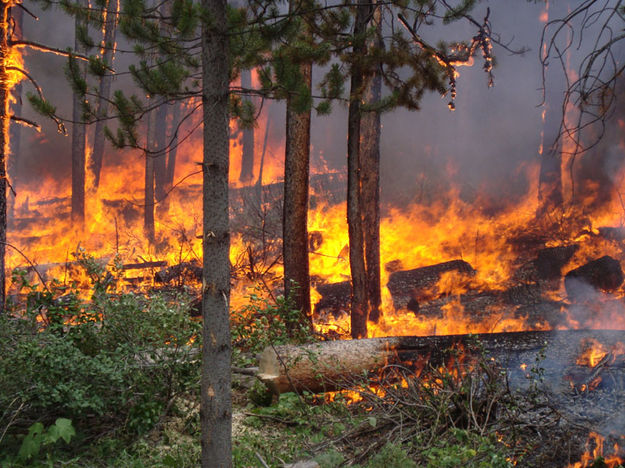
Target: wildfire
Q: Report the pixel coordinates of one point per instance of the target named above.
(594, 450)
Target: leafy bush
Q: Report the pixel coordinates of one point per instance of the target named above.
(113, 364)
(263, 322)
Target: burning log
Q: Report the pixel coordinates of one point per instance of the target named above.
(144, 265)
(334, 298)
(330, 365)
(550, 260)
(187, 270)
(604, 274)
(409, 287)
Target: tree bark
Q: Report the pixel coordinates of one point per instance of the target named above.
(107, 50)
(78, 141)
(148, 188)
(359, 301)
(4, 139)
(216, 403)
(160, 158)
(173, 148)
(17, 14)
(295, 214)
(247, 153)
(370, 190)
(550, 195)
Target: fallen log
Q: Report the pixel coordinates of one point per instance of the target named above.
(185, 270)
(143, 265)
(330, 365)
(603, 274)
(550, 260)
(334, 299)
(410, 287)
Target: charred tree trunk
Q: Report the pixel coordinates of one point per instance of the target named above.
(107, 50)
(160, 158)
(359, 301)
(17, 14)
(247, 154)
(370, 189)
(295, 214)
(148, 198)
(4, 139)
(173, 147)
(78, 138)
(550, 195)
(216, 402)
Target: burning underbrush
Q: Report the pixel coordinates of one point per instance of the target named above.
(458, 407)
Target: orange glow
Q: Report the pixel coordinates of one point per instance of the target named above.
(594, 450)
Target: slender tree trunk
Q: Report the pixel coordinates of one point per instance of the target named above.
(359, 300)
(107, 51)
(148, 198)
(4, 140)
(216, 402)
(160, 158)
(550, 195)
(247, 154)
(78, 141)
(173, 148)
(17, 14)
(370, 195)
(295, 214)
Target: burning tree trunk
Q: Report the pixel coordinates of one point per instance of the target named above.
(148, 199)
(295, 214)
(359, 301)
(247, 154)
(550, 179)
(4, 138)
(216, 404)
(78, 130)
(17, 15)
(107, 51)
(370, 188)
(173, 147)
(160, 158)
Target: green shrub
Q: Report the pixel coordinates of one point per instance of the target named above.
(111, 365)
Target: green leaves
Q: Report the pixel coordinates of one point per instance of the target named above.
(39, 437)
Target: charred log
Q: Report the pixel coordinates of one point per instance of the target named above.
(334, 299)
(184, 271)
(550, 260)
(144, 265)
(603, 274)
(412, 286)
(330, 365)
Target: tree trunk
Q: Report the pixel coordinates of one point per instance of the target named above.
(173, 147)
(359, 301)
(16, 109)
(370, 189)
(4, 140)
(216, 402)
(247, 153)
(160, 158)
(295, 214)
(107, 50)
(148, 198)
(550, 195)
(78, 142)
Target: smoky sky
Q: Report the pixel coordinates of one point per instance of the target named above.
(481, 148)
